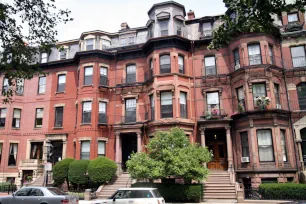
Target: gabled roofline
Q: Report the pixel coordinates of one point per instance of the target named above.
(167, 3)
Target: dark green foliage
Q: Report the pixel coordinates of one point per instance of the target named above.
(60, 171)
(176, 192)
(101, 170)
(283, 191)
(77, 173)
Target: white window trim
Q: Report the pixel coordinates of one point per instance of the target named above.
(89, 37)
(67, 53)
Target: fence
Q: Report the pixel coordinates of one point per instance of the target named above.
(262, 194)
(8, 188)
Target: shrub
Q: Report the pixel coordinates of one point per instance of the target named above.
(283, 191)
(176, 192)
(6, 186)
(77, 172)
(101, 170)
(60, 171)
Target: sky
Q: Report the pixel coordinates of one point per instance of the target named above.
(107, 15)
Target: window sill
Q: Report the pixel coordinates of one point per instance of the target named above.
(86, 124)
(57, 128)
(19, 95)
(15, 128)
(2, 128)
(37, 128)
(11, 167)
(62, 92)
(89, 85)
(41, 94)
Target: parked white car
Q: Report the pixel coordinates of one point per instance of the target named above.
(134, 196)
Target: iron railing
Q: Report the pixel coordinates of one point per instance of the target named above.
(299, 62)
(273, 194)
(103, 80)
(102, 118)
(130, 117)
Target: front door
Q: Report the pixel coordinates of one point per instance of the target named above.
(57, 151)
(129, 145)
(218, 161)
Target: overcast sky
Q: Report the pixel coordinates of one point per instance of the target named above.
(107, 15)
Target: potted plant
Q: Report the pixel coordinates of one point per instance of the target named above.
(240, 108)
(262, 102)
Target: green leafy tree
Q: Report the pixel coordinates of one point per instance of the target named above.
(101, 170)
(248, 16)
(77, 173)
(27, 28)
(170, 155)
(60, 171)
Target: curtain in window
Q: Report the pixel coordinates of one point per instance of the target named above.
(240, 94)
(103, 71)
(265, 147)
(34, 150)
(259, 90)
(166, 98)
(17, 113)
(101, 148)
(88, 71)
(183, 98)
(130, 104)
(87, 107)
(39, 113)
(210, 61)
(283, 144)
(213, 98)
(102, 107)
(254, 54)
(298, 56)
(181, 64)
(254, 49)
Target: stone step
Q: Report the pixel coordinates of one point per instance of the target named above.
(219, 196)
(219, 191)
(219, 188)
(216, 182)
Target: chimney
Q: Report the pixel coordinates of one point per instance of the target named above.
(124, 26)
(191, 15)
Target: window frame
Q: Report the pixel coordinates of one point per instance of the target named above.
(163, 30)
(292, 13)
(292, 57)
(130, 77)
(272, 146)
(271, 54)
(277, 94)
(166, 66)
(102, 114)
(103, 78)
(161, 106)
(41, 57)
(215, 65)
(5, 85)
(63, 54)
(254, 98)
(56, 116)
(90, 112)
(35, 124)
(185, 114)
(14, 122)
(88, 77)
(20, 90)
(208, 105)
(241, 100)
(284, 146)
(211, 29)
(40, 156)
(9, 154)
(246, 146)
(235, 52)
(81, 150)
(181, 66)
(152, 107)
(104, 143)
(93, 42)
(129, 118)
(63, 84)
(1, 109)
(260, 54)
(39, 85)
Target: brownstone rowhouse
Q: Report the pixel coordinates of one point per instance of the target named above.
(107, 94)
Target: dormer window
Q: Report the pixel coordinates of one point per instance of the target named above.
(123, 41)
(151, 31)
(90, 44)
(131, 40)
(63, 54)
(44, 57)
(179, 28)
(207, 29)
(164, 24)
(105, 44)
(293, 17)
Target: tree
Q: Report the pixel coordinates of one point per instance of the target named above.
(26, 29)
(247, 16)
(77, 173)
(170, 155)
(60, 171)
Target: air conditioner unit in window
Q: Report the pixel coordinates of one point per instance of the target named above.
(278, 106)
(245, 159)
(237, 66)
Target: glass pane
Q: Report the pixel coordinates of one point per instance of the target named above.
(221, 151)
(293, 17)
(210, 61)
(88, 71)
(165, 59)
(298, 51)
(85, 146)
(130, 103)
(254, 49)
(39, 112)
(103, 71)
(166, 98)
(62, 79)
(86, 106)
(303, 134)
(183, 98)
(17, 113)
(264, 137)
(206, 26)
(101, 148)
(240, 93)
(259, 90)
(212, 98)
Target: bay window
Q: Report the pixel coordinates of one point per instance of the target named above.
(210, 66)
(101, 149)
(86, 115)
(298, 56)
(241, 98)
(16, 118)
(183, 105)
(88, 72)
(254, 54)
(166, 105)
(103, 76)
(265, 146)
(181, 64)
(165, 64)
(131, 73)
(164, 24)
(213, 103)
(89, 44)
(259, 90)
(85, 150)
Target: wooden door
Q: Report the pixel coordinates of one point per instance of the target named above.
(219, 159)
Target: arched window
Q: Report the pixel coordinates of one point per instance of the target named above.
(165, 64)
(301, 91)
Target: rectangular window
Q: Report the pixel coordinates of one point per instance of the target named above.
(39, 117)
(86, 116)
(236, 59)
(207, 29)
(101, 149)
(165, 64)
(74, 150)
(213, 103)
(1, 147)
(42, 85)
(244, 144)
(44, 57)
(88, 72)
(265, 146)
(164, 27)
(271, 54)
(166, 105)
(2, 117)
(59, 113)
(283, 144)
(131, 74)
(16, 118)
(254, 54)
(131, 40)
(85, 150)
(36, 150)
(63, 54)
(240, 97)
(123, 41)
(19, 86)
(130, 110)
(12, 160)
(277, 96)
(293, 17)
(89, 44)
(298, 56)
(61, 83)
(210, 66)
(152, 105)
(5, 85)
(151, 69)
(259, 90)
(181, 64)
(105, 44)
(103, 76)
(102, 113)
(183, 104)
(179, 27)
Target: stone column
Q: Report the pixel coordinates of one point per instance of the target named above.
(138, 141)
(64, 149)
(229, 148)
(300, 159)
(117, 134)
(202, 129)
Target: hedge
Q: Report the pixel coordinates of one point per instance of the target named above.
(176, 192)
(283, 191)
(77, 173)
(101, 170)
(60, 171)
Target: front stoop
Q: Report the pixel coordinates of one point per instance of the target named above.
(218, 188)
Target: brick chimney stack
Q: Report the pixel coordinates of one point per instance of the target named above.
(191, 15)
(124, 26)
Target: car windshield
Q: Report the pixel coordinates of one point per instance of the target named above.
(156, 193)
(56, 191)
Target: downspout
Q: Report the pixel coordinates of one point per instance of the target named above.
(115, 56)
(290, 118)
(194, 90)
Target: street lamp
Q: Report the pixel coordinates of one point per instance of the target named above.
(48, 149)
